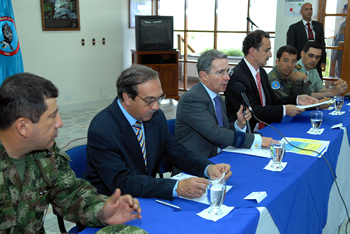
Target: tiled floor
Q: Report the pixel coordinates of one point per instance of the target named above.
(76, 120)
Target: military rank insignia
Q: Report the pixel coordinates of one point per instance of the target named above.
(275, 84)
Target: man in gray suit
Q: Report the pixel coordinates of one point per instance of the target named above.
(201, 122)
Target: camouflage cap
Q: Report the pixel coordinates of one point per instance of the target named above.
(121, 229)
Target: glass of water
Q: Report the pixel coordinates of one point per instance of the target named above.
(278, 149)
(216, 192)
(316, 118)
(338, 102)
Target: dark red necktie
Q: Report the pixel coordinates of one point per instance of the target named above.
(309, 31)
(258, 81)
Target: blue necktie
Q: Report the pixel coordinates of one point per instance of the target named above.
(141, 139)
(218, 111)
(218, 114)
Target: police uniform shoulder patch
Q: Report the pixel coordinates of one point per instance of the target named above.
(275, 84)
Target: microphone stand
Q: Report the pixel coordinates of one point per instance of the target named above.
(251, 24)
(247, 121)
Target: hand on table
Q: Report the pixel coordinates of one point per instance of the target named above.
(120, 209)
(325, 106)
(216, 170)
(266, 141)
(192, 187)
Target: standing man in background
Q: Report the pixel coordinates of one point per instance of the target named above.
(303, 31)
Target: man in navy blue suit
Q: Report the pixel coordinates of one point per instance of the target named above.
(121, 155)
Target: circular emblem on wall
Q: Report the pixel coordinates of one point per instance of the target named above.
(9, 43)
(275, 84)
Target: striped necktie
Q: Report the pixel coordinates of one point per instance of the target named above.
(258, 81)
(141, 139)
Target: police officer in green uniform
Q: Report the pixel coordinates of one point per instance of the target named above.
(310, 56)
(34, 172)
(283, 81)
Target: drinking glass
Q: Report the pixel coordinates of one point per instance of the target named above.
(278, 149)
(338, 104)
(216, 192)
(316, 118)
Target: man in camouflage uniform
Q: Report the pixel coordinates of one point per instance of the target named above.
(35, 172)
(283, 79)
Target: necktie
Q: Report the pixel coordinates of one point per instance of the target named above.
(258, 81)
(218, 113)
(141, 139)
(309, 31)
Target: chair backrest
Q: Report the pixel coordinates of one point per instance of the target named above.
(78, 156)
(171, 125)
(164, 167)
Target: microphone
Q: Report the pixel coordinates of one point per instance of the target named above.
(238, 88)
(250, 21)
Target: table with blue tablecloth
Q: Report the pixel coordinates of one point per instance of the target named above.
(300, 199)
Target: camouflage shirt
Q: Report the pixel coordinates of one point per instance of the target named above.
(22, 204)
(285, 87)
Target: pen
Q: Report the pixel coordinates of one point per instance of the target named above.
(167, 204)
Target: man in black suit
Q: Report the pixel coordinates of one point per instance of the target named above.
(306, 29)
(266, 106)
(128, 140)
(198, 126)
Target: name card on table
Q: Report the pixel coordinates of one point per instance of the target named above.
(258, 196)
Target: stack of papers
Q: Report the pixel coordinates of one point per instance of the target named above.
(315, 105)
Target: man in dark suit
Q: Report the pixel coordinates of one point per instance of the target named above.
(306, 29)
(128, 140)
(266, 106)
(198, 126)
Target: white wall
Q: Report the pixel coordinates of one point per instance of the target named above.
(77, 70)
(283, 22)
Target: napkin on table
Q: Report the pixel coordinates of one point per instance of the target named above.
(225, 210)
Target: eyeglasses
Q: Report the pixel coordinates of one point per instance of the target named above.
(153, 100)
(222, 72)
(317, 57)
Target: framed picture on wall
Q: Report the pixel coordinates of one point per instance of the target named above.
(59, 15)
(138, 7)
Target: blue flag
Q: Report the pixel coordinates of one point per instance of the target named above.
(10, 52)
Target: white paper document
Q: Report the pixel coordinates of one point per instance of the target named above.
(263, 152)
(203, 199)
(315, 105)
